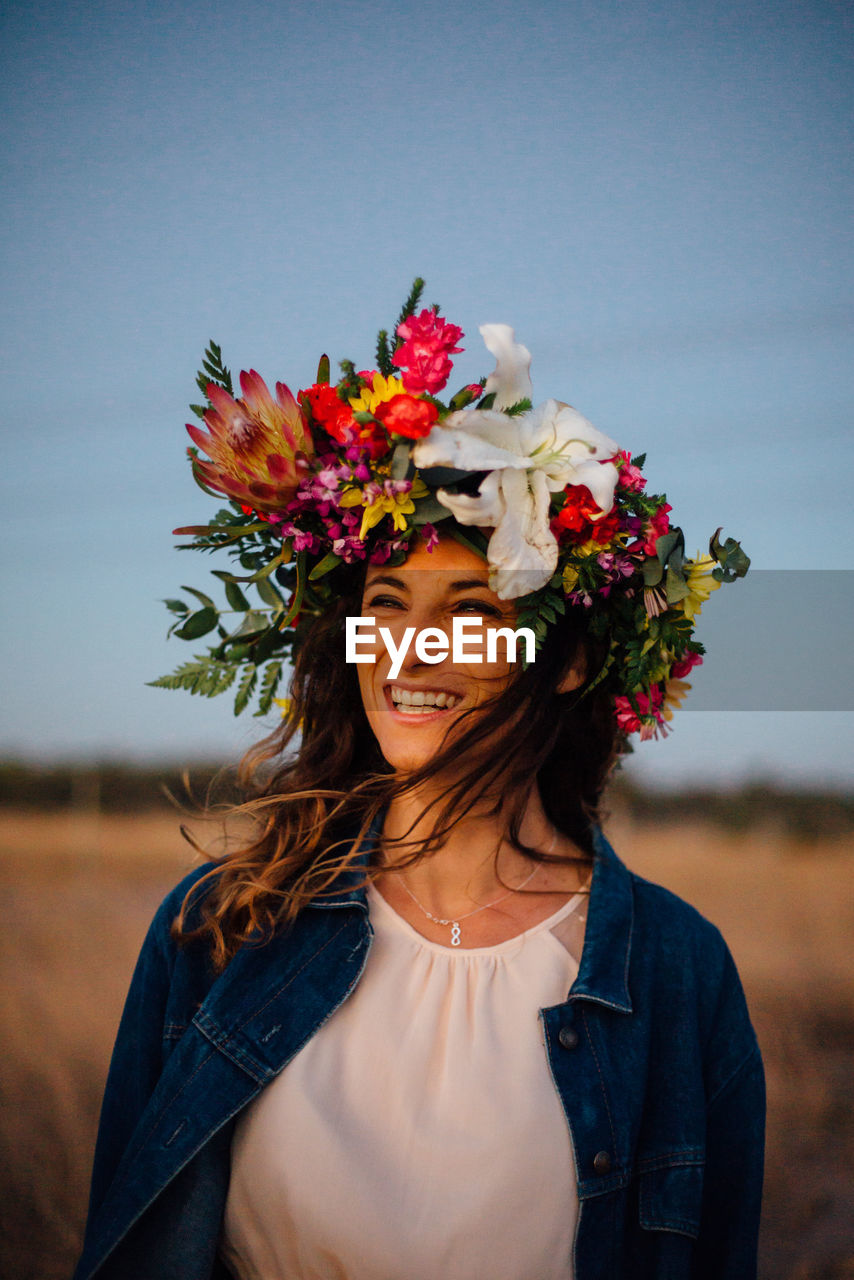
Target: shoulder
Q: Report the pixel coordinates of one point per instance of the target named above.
(161, 951)
(684, 959)
(663, 919)
(659, 922)
(197, 883)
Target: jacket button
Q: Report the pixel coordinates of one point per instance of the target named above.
(567, 1037)
(602, 1162)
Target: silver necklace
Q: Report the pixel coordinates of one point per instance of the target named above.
(456, 936)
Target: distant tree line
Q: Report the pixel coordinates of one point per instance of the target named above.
(114, 788)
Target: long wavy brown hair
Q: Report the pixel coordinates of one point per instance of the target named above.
(315, 785)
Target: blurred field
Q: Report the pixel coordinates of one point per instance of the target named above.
(78, 890)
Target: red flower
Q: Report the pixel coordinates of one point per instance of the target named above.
(336, 417)
(428, 343)
(582, 520)
(684, 665)
(328, 409)
(405, 416)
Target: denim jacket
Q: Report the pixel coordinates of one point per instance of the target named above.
(652, 1054)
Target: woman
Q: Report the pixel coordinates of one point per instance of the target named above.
(387, 1038)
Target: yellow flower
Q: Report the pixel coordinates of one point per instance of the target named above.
(396, 505)
(385, 500)
(382, 390)
(701, 584)
(674, 692)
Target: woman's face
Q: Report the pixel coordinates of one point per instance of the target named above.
(411, 712)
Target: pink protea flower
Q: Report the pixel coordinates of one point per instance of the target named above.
(258, 447)
(424, 354)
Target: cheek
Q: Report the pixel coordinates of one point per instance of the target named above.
(489, 679)
(365, 676)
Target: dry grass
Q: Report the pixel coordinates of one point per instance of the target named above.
(78, 892)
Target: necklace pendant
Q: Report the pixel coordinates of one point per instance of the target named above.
(455, 934)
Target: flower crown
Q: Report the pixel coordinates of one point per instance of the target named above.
(364, 469)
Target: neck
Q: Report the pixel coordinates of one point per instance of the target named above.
(476, 860)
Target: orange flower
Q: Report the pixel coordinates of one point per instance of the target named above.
(258, 447)
(406, 416)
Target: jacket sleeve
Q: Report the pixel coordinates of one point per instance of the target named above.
(137, 1059)
(735, 1143)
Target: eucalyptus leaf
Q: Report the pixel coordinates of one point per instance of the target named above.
(472, 538)
(255, 623)
(670, 545)
(235, 597)
(401, 461)
(265, 571)
(201, 597)
(732, 560)
(198, 624)
(329, 561)
(653, 572)
(269, 594)
(441, 477)
(429, 510)
(676, 586)
(177, 606)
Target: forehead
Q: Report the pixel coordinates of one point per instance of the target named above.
(448, 561)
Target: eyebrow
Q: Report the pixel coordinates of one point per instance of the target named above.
(459, 584)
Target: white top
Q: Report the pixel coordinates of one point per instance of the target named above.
(418, 1134)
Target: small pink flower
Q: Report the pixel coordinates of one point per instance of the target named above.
(646, 717)
(684, 665)
(656, 528)
(430, 536)
(631, 477)
(627, 718)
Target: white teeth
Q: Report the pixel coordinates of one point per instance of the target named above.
(422, 701)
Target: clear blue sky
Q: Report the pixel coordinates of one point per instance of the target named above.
(657, 196)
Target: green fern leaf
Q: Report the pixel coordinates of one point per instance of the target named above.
(269, 685)
(246, 688)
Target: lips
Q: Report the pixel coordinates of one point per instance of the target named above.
(419, 702)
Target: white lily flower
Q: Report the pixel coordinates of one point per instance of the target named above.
(528, 456)
(510, 380)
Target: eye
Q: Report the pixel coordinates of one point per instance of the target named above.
(384, 602)
(478, 606)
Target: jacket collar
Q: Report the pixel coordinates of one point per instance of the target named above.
(603, 975)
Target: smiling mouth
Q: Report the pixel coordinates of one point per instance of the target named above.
(419, 702)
